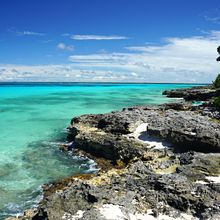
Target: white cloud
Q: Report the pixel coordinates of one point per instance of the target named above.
(54, 73)
(215, 20)
(63, 46)
(65, 35)
(98, 37)
(177, 60)
(47, 41)
(212, 15)
(29, 33)
(25, 32)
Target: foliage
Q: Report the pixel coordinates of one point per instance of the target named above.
(216, 83)
(217, 102)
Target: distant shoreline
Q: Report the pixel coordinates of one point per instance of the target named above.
(144, 83)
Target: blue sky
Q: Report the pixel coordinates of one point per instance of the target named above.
(109, 40)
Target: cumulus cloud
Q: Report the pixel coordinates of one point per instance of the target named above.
(54, 73)
(176, 60)
(98, 37)
(63, 46)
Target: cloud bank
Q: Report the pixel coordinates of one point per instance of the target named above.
(176, 60)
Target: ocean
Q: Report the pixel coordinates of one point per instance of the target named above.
(33, 121)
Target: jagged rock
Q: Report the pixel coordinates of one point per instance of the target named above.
(132, 191)
(185, 129)
(195, 93)
(179, 183)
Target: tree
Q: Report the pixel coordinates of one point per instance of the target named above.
(218, 50)
(216, 83)
(216, 102)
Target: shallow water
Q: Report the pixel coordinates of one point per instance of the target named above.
(32, 123)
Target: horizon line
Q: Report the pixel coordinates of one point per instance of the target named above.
(38, 82)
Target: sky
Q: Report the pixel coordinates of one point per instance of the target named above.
(163, 41)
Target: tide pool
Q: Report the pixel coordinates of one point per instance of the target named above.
(33, 118)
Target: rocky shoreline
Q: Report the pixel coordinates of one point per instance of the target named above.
(156, 162)
(196, 93)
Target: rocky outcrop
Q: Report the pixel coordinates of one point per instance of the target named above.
(207, 94)
(193, 94)
(144, 181)
(107, 135)
(153, 189)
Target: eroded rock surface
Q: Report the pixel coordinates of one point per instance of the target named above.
(196, 93)
(106, 134)
(145, 182)
(137, 192)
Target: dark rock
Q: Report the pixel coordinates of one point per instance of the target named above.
(169, 183)
(186, 158)
(195, 93)
(132, 193)
(185, 129)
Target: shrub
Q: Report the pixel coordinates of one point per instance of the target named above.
(217, 102)
(217, 82)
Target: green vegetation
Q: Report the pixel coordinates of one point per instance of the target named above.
(217, 102)
(216, 83)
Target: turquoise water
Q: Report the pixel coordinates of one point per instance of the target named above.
(33, 119)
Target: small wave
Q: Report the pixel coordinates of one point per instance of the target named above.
(93, 167)
(17, 209)
(90, 164)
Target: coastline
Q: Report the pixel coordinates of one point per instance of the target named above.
(99, 83)
(111, 141)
